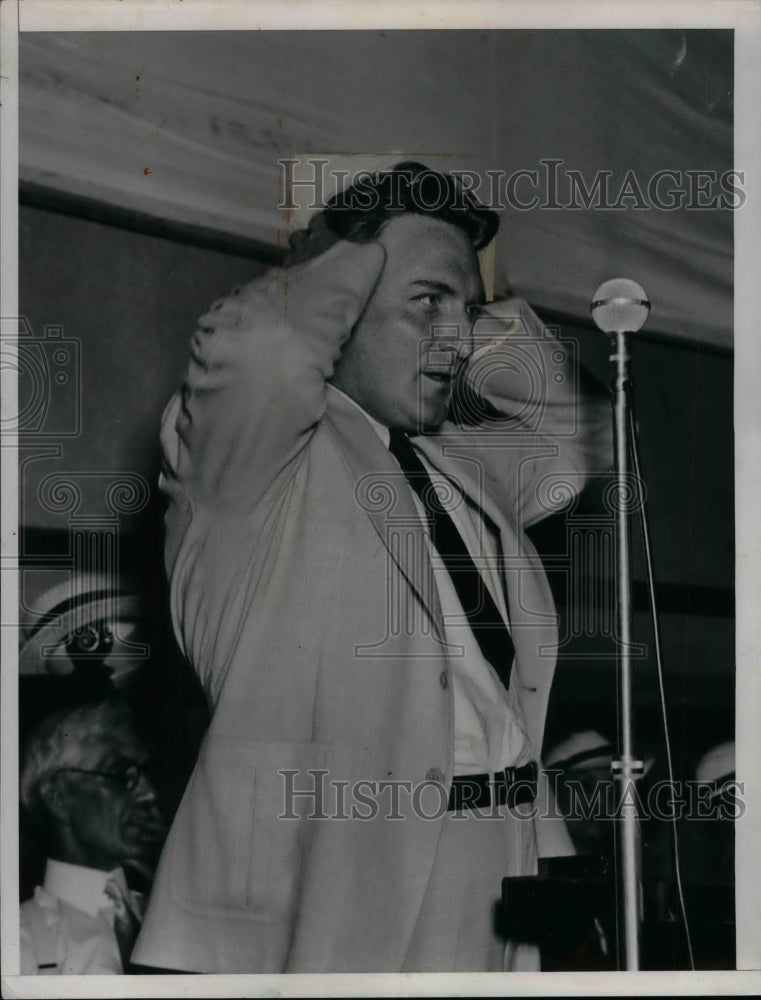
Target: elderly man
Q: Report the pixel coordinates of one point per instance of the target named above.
(348, 484)
(84, 787)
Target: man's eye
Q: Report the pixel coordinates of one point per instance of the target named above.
(429, 299)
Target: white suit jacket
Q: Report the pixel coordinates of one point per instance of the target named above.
(302, 595)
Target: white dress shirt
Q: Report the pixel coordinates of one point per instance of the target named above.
(488, 724)
(68, 925)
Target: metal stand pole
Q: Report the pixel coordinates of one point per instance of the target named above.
(626, 769)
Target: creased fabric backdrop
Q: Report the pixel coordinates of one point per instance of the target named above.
(190, 127)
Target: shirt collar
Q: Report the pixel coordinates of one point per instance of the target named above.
(81, 887)
(380, 429)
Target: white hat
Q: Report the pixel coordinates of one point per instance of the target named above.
(718, 764)
(587, 748)
(86, 599)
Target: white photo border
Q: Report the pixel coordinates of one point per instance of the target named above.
(133, 15)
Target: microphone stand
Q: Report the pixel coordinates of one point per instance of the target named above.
(626, 768)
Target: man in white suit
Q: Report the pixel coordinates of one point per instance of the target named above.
(350, 466)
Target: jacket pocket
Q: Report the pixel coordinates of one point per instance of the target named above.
(240, 838)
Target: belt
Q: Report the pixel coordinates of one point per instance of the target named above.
(512, 786)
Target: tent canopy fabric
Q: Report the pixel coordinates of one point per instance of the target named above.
(612, 151)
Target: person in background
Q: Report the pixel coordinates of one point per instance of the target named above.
(580, 764)
(715, 773)
(707, 845)
(84, 789)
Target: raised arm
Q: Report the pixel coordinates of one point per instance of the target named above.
(538, 423)
(255, 384)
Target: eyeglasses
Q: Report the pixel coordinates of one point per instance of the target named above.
(128, 777)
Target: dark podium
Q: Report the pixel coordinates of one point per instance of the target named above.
(569, 909)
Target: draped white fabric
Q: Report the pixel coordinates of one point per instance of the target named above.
(190, 127)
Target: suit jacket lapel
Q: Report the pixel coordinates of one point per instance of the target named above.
(384, 494)
(530, 606)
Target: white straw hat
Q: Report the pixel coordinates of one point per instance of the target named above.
(86, 599)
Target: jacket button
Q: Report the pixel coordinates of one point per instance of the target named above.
(434, 774)
(443, 679)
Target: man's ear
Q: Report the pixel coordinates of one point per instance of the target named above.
(54, 795)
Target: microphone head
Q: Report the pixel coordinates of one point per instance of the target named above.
(620, 306)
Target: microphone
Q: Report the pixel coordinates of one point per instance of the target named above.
(620, 306)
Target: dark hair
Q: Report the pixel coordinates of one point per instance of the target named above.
(359, 212)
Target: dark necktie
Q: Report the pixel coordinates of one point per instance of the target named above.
(482, 613)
